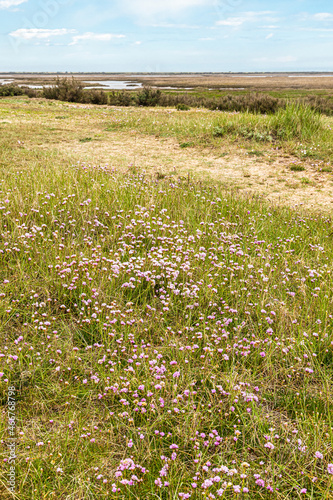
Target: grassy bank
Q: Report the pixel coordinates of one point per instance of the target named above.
(165, 339)
(297, 129)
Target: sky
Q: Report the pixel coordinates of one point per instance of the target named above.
(166, 35)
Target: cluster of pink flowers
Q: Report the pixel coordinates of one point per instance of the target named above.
(174, 325)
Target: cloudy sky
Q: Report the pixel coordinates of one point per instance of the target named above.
(166, 35)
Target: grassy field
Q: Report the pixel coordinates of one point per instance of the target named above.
(162, 336)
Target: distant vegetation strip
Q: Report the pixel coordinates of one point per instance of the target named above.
(72, 90)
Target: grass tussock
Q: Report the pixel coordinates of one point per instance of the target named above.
(296, 121)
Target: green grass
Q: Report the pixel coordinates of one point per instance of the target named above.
(297, 129)
(86, 139)
(164, 321)
(297, 168)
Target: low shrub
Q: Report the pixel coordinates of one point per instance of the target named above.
(320, 104)
(32, 93)
(182, 107)
(95, 97)
(121, 98)
(72, 90)
(10, 90)
(252, 103)
(65, 89)
(148, 97)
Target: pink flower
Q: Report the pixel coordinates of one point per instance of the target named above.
(330, 468)
(303, 490)
(319, 455)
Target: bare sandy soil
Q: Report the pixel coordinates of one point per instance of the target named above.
(268, 176)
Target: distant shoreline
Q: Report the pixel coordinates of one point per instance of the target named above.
(173, 74)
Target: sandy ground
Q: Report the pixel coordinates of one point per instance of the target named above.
(269, 176)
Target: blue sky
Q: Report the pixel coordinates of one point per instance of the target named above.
(166, 35)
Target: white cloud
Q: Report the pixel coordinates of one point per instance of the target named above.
(322, 30)
(7, 4)
(323, 16)
(40, 34)
(47, 34)
(97, 37)
(150, 9)
(174, 26)
(269, 36)
(232, 21)
(248, 17)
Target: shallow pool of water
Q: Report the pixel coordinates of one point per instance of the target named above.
(96, 84)
(114, 84)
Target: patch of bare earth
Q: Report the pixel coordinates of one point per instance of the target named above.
(269, 176)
